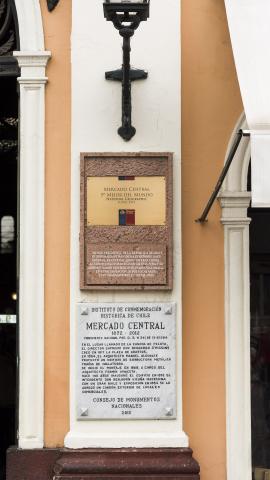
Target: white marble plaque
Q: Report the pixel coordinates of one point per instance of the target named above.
(126, 361)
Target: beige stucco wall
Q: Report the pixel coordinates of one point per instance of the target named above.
(211, 105)
(57, 27)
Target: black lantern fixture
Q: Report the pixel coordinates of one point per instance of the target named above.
(126, 16)
(52, 4)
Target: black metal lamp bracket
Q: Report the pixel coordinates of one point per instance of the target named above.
(126, 18)
(52, 4)
(126, 75)
(134, 74)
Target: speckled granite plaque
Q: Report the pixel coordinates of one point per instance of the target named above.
(137, 263)
(126, 361)
(126, 221)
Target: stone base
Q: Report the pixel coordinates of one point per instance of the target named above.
(102, 464)
(31, 464)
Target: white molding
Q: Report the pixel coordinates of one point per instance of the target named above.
(235, 201)
(30, 25)
(248, 22)
(79, 440)
(236, 179)
(31, 269)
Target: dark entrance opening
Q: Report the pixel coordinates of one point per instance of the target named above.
(260, 339)
(8, 264)
(9, 41)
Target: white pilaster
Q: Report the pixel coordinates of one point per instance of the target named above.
(237, 331)
(96, 113)
(31, 268)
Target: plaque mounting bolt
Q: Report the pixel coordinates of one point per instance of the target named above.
(84, 310)
(84, 412)
(169, 412)
(168, 310)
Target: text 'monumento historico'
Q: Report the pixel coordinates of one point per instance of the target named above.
(126, 221)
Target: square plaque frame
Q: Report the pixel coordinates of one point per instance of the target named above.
(127, 257)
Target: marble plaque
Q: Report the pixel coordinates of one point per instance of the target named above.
(126, 361)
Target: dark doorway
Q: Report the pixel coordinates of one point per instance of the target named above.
(9, 41)
(260, 339)
(8, 263)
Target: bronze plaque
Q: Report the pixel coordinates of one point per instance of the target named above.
(126, 221)
(108, 196)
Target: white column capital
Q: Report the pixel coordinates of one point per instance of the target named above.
(32, 58)
(234, 208)
(32, 65)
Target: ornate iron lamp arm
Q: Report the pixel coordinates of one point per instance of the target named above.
(126, 17)
(126, 131)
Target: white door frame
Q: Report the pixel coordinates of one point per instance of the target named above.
(32, 60)
(235, 201)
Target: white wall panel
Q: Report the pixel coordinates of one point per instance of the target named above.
(96, 116)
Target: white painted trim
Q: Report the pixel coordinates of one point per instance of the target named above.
(235, 201)
(30, 25)
(236, 179)
(80, 440)
(248, 22)
(32, 61)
